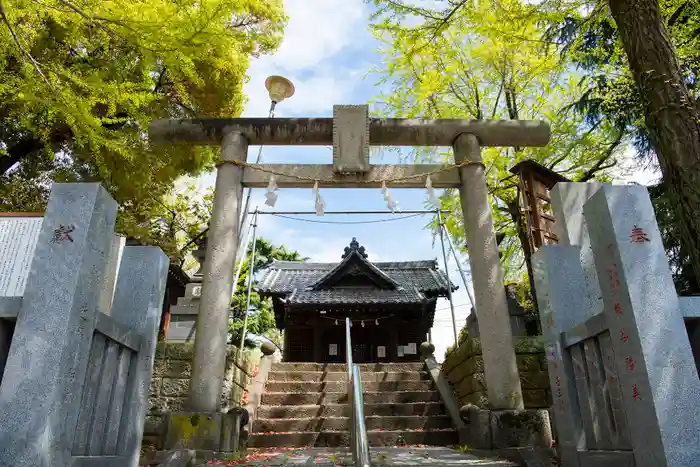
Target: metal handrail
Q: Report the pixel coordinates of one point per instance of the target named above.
(358, 432)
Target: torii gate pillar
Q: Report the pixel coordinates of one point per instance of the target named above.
(351, 132)
(498, 349)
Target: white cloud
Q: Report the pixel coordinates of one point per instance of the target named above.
(319, 31)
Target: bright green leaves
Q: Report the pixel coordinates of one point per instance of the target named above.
(80, 81)
(487, 60)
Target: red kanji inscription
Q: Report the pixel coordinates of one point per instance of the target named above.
(638, 235)
(623, 335)
(614, 278)
(612, 379)
(630, 363)
(617, 308)
(635, 393)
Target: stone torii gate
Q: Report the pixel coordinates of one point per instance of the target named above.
(351, 132)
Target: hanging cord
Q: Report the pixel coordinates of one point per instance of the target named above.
(447, 276)
(240, 262)
(346, 222)
(258, 159)
(459, 266)
(250, 282)
(330, 181)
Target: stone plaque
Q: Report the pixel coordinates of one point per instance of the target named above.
(399, 351)
(350, 138)
(197, 291)
(18, 238)
(333, 349)
(381, 351)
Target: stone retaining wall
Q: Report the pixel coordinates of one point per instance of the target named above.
(170, 384)
(464, 369)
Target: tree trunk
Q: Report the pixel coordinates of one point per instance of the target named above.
(671, 117)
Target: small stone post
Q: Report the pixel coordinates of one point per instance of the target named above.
(500, 366)
(138, 304)
(219, 266)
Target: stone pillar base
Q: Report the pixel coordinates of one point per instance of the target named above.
(505, 429)
(213, 432)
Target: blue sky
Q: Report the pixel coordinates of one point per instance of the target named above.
(328, 52)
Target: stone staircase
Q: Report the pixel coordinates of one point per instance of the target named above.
(305, 404)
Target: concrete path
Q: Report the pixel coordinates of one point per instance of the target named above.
(381, 457)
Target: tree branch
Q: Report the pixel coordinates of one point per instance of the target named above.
(600, 165)
(35, 64)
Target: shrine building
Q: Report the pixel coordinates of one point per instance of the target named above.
(391, 307)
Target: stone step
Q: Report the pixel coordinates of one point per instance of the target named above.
(333, 367)
(278, 425)
(341, 410)
(343, 376)
(340, 386)
(445, 437)
(320, 398)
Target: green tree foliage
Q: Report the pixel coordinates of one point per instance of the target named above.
(261, 319)
(79, 83)
(591, 37)
(485, 60)
(585, 33)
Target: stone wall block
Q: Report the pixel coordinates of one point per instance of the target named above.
(161, 405)
(479, 399)
(511, 428)
(161, 348)
(478, 382)
(154, 388)
(172, 368)
(473, 347)
(536, 398)
(529, 345)
(534, 380)
(464, 388)
(460, 372)
(475, 364)
(175, 387)
(180, 351)
(153, 425)
(528, 362)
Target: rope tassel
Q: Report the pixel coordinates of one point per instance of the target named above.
(391, 203)
(430, 191)
(271, 196)
(320, 204)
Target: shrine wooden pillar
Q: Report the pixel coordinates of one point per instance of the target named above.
(319, 355)
(286, 343)
(393, 344)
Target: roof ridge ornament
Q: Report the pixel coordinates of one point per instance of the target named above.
(354, 246)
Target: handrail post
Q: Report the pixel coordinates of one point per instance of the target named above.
(363, 458)
(351, 390)
(358, 433)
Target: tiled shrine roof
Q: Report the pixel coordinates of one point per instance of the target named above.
(404, 282)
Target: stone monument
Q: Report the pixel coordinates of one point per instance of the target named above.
(183, 316)
(74, 389)
(624, 381)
